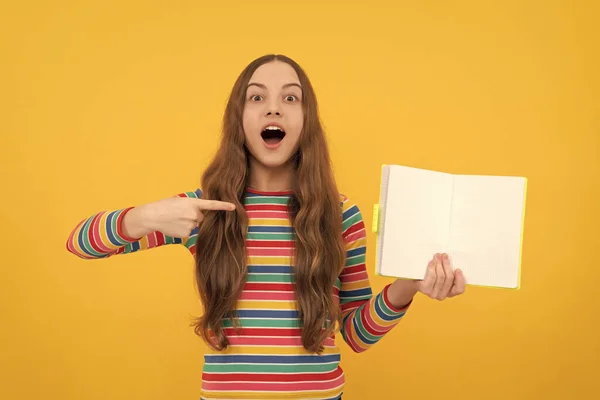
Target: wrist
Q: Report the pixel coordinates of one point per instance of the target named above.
(136, 222)
(401, 292)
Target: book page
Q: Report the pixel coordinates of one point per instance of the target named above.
(486, 227)
(416, 222)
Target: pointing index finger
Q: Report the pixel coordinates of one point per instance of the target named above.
(215, 205)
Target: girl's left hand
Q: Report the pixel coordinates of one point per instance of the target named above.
(441, 281)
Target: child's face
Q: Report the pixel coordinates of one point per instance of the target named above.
(273, 99)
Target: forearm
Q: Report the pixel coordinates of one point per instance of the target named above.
(99, 235)
(370, 321)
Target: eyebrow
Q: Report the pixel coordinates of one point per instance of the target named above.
(260, 85)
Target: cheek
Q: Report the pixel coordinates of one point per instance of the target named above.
(248, 124)
(298, 122)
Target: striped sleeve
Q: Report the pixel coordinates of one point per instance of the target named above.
(101, 235)
(366, 318)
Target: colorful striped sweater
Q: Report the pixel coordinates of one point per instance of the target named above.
(267, 359)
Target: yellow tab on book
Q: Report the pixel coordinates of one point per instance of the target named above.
(375, 226)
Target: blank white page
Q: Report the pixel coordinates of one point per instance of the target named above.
(486, 228)
(416, 218)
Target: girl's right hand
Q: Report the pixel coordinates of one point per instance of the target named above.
(174, 216)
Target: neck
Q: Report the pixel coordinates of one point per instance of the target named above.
(270, 179)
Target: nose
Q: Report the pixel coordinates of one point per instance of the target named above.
(273, 109)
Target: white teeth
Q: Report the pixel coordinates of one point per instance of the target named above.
(273, 128)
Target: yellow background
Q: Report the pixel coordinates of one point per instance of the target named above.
(111, 104)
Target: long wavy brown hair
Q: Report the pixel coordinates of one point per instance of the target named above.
(314, 208)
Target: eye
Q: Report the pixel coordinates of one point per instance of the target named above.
(291, 97)
(256, 97)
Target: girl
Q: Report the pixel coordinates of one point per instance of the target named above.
(280, 253)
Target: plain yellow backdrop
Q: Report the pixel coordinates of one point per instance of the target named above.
(111, 104)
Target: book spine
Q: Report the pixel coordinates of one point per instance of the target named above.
(385, 173)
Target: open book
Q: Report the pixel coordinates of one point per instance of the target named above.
(477, 220)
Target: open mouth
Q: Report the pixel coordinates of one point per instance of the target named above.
(272, 135)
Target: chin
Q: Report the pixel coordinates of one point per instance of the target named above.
(273, 160)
